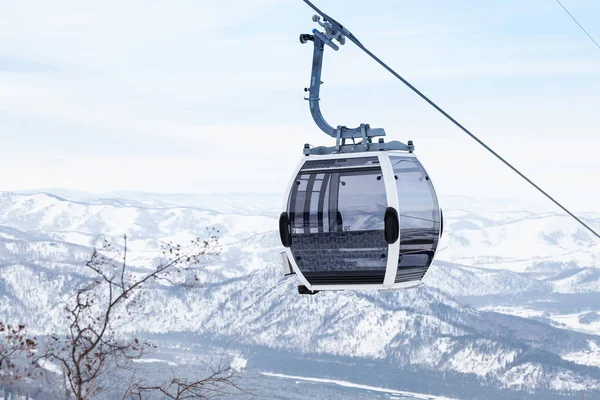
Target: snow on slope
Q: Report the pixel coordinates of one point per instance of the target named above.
(531, 376)
(460, 280)
(579, 280)
(84, 223)
(522, 244)
(418, 328)
(44, 238)
(586, 357)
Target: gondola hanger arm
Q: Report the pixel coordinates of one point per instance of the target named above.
(332, 32)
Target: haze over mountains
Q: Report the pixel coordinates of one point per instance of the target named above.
(511, 301)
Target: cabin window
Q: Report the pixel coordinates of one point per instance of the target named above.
(336, 210)
(419, 213)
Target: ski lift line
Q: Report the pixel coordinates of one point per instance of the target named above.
(351, 37)
(577, 22)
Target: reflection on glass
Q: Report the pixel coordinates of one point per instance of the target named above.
(419, 213)
(336, 211)
(362, 201)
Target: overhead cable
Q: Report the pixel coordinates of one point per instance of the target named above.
(577, 22)
(353, 38)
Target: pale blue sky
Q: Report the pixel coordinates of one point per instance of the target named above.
(206, 96)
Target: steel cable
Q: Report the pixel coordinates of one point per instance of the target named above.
(577, 22)
(351, 37)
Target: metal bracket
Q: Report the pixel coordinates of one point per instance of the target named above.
(320, 39)
(365, 139)
(338, 138)
(352, 148)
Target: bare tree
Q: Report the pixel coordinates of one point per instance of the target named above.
(16, 346)
(92, 347)
(220, 382)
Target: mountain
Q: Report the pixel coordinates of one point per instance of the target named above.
(506, 305)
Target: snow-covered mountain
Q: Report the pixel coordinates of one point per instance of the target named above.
(531, 280)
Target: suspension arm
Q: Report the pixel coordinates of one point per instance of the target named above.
(363, 131)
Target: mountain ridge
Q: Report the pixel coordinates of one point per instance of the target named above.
(44, 241)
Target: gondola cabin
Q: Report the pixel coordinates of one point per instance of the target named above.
(360, 221)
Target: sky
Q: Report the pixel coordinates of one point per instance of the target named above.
(207, 96)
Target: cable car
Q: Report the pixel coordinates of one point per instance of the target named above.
(362, 215)
(360, 221)
(357, 216)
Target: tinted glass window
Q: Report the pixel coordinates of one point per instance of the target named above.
(362, 201)
(419, 213)
(336, 211)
